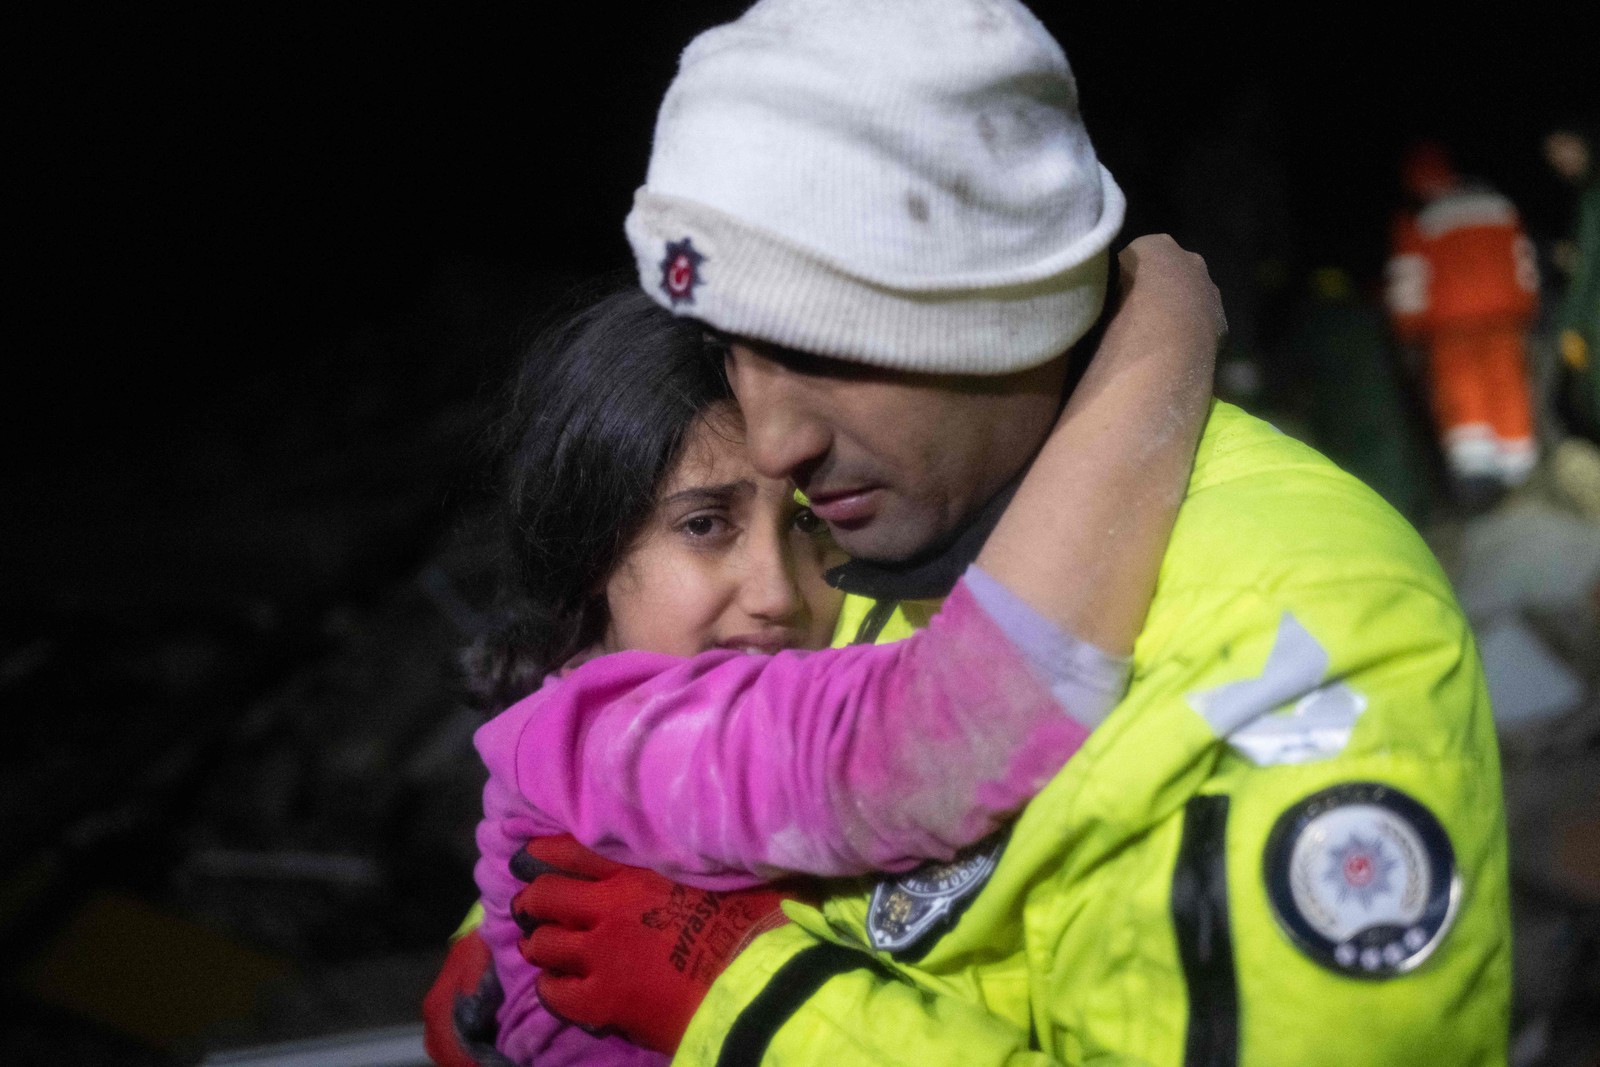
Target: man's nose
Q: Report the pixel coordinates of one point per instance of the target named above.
(784, 436)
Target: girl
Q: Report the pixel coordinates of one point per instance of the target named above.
(633, 521)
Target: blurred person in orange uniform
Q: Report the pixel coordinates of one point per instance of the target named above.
(1462, 284)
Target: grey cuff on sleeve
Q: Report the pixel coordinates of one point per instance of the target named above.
(1087, 681)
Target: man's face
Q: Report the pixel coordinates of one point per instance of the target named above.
(893, 461)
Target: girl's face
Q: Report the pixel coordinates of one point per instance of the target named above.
(726, 560)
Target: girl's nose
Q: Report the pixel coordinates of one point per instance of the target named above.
(769, 591)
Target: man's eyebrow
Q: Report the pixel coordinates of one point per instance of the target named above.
(710, 493)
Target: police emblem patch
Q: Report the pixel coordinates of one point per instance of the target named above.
(680, 271)
(1363, 879)
(906, 912)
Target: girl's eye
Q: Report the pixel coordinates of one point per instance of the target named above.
(703, 526)
(806, 521)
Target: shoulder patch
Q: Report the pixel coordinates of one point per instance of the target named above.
(1363, 879)
(909, 911)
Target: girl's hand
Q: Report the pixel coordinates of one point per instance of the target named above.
(623, 949)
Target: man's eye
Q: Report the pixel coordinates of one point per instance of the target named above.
(806, 521)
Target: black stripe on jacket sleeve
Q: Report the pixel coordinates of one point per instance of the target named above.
(1205, 945)
(794, 983)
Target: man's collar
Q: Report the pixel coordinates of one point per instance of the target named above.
(926, 577)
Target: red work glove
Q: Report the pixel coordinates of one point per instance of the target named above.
(458, 1012)
(625, 950)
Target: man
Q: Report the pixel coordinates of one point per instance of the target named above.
(1463, 284)
(1286, 845)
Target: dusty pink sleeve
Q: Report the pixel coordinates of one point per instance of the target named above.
(528, 1033)
(726, 769)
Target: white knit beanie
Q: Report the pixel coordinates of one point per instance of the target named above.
(905, 183)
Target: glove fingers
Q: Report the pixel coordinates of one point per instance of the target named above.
(459, 1009)
(541, 856)
(564, 853)
(474, 1015)
(555, 948)
(524, 868)
(553, 899)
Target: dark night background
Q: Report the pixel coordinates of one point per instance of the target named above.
(268, 267)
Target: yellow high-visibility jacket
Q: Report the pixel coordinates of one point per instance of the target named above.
(1285, 846)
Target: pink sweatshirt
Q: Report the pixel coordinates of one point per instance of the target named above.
(727, 770)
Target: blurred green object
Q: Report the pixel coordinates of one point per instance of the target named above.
(1579, 319)
(1354, 399)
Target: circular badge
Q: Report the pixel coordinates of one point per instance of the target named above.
(1363, 879)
